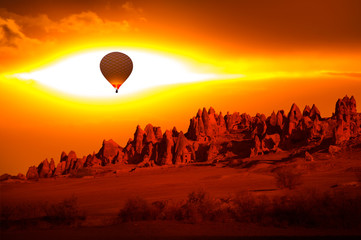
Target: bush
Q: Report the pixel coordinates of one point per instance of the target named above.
(250, 208)
(65, 212)
(136, 209)
(312, 209)
(198, 208)
(30, 214)
(287, 177)
(307, 209)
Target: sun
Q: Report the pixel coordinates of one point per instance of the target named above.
(80, 75)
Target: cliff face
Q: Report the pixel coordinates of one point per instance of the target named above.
(212, 137)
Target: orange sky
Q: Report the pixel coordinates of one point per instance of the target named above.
(288, 51)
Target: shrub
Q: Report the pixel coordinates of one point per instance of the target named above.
(198, 207)
(250, 208)
(307, 209)
(31, 214)
(158, 209)
(65, 212)
(287, 177)
(136, 209)
(312, 209)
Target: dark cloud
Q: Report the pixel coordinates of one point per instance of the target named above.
(20, 30)
(281, 25)
(8, 37)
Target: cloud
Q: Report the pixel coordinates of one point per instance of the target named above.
(42, 27)
(135, 11)
(15, 27)
(12, 36)
(26, 37)
(129, 6)
(10, 33)
(345, 74)
(87, 22)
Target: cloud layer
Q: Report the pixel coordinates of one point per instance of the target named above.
(28, 36)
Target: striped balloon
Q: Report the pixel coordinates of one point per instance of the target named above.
(116, 68)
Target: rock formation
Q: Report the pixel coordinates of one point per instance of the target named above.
(348, 121)
(32, 173)
(315, 113)
(6, 176)
(257, 147)
(150, 136)
(51, 167)
(271, 142)
(196, 128)
(294, 117)
(183, 151)
(44, 169)
(60, 169)
(166, 149)
(138, 140)
(212, 137)
(109, 152)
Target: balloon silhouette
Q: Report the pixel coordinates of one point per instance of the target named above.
(116, 68)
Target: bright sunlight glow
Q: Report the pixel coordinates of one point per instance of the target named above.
(80, 74)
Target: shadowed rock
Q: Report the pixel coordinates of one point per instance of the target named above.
(150, 136)
(196, 127)
(315, 113)
(183, 150)
(138, 140)
(158, 133)
(60, 169)
(166, 149)
(271, 142)
(221, 124)
(44, 169)
(109, 151)
(348, 122)
(294, 116)
(175, 132)
(70, 162)
(32, 173)
(92, 161)
(306, 111)
(257, 147)
(51, 166)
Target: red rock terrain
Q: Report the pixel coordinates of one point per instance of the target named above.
(212, 137)
(225, 155)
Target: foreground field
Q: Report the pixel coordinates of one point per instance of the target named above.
(101, 197)
(176, 230)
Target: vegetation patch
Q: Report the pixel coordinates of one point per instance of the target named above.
(288, 177)
(29, 214)
(310, 209)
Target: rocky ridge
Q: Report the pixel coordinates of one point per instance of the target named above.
(212, 137)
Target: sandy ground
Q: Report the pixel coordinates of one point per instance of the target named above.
(101, 197)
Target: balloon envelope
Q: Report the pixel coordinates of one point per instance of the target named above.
(116, 68)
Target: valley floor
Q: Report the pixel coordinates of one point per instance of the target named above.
(103, 195)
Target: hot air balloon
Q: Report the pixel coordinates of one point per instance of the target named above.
(116, 68)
